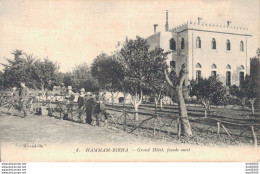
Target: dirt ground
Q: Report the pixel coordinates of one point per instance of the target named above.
(47, 129)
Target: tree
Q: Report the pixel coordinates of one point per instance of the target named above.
(252, 90)
(81, 77)
(45, 73)
(252, 81)
(184, 127)
(80, 74)
(255, 66)
(107, 69)
(1, 80)
(239, 93)
(208, 91)
(19, 69)
(67, 78)
(135, 60)
(156, 84)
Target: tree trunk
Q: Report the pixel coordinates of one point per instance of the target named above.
(42, 87)
(124, 100)
(185, 123)
(155, 104)
(136, 112)
(136, 101)
(112, 97)
(206, 104)
(205, 112)
(252, 106)
(161, 104)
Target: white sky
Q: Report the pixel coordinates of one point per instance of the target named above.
(74, 31)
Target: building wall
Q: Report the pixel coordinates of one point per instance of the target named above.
(220, 56)
(180, 56)
(165, 45)
(161, 40)
(205, 55)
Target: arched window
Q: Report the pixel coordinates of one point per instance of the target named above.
(241, 75)
(172, 44)
(213, 43)
(198, 42)
(228, 67)
(213, 66)
(241, 46)
(228, 75)
(182, 43)
(198, 65)
(198, 71)
(214, 72)
(228, 45)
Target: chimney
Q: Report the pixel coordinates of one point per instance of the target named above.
(199, 19)
(228, 23)
(154, 27)
(166, 25)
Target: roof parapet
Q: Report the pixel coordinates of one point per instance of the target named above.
(208, 26)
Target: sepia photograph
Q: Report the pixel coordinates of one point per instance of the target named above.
(130, 81)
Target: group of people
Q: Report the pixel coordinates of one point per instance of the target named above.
(90, 106)
(93, 106)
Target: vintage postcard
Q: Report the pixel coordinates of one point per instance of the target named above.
(129, 81)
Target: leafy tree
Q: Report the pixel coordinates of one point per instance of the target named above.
(208, 91)
(81, 77)
(156, 84)
(136, 65)
(107, 70)
(252, 82)
(255, 66)
(45, 73)
(59, 76)
(19, 69)
(252, 90)
(1, 80)
(239, 93)
(67, 78)
(248, 91)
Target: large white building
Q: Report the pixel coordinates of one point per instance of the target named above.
(206, 49)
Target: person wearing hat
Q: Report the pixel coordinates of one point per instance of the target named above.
(81, 103)
(70, 96)
(24, 96)
(89, 107)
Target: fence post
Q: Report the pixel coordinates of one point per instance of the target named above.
(124, 113)
(254, 136)
(178, 128)
(154, 126)
(218, 124)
